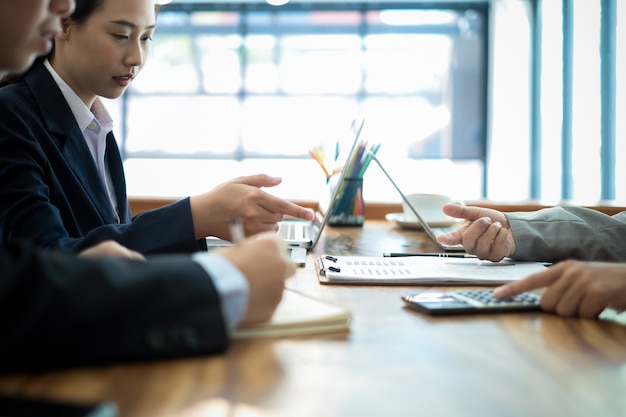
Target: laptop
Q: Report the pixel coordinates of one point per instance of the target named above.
(306, 234)
(301, 235)
(431, 231)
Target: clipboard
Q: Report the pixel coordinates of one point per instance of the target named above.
(375, 270)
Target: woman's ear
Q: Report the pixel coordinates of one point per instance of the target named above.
(65, 28)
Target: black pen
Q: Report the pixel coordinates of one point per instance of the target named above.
(438, 255)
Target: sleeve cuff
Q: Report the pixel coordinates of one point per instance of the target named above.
(232, 287)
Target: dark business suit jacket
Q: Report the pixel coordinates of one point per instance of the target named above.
(50, 191)
(57, 310)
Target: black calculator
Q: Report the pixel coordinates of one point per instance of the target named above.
(470, 301)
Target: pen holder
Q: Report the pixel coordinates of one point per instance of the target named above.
(349, 208)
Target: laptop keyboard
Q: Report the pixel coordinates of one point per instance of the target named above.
(440, 230)
(291, 230)
(447, 229)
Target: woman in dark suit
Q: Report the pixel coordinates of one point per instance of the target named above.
(61, 177)
(60, 310)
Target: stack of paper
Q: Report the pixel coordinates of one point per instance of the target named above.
(299, 314)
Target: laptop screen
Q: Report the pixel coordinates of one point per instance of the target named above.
(330, 194)
(430, 231)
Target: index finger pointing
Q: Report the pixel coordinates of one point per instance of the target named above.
(537, 280)
(287, 208)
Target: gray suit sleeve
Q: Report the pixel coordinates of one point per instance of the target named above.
(558, 233)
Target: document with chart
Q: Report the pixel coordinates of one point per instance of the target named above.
(333, 269)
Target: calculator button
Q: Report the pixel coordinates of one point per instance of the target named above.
(486, 297)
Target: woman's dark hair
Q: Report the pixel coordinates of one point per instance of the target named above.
(82, 11)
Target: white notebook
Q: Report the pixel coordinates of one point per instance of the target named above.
(421, 270)
(299, 314)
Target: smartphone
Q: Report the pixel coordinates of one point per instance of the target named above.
(21, 406)
(469, 302)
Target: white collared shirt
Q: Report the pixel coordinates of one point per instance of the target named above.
(95, 124)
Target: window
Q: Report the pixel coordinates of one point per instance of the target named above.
(239, 88)
(503, 99)
(571, 145)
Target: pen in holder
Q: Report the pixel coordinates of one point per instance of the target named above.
(349, 208)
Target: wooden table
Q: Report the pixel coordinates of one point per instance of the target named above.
(393, 362)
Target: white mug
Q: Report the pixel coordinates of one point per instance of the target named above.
(429, 207)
